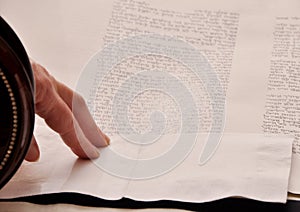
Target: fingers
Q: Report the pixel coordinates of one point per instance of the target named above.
(33, 153)
(80, 110)
(77, 128)
(59, 117)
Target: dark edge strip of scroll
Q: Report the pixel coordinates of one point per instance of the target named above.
(228, 204)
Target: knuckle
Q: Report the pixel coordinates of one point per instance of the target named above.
(44, 87)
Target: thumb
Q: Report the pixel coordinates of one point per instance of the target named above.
(33, 153)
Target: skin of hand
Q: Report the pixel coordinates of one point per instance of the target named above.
(54, 102)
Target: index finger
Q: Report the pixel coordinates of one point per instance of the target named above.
(82, 114)
(58, 115)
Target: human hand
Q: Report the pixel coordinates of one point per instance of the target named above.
(53, 102)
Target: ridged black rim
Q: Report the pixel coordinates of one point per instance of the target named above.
(17, 103)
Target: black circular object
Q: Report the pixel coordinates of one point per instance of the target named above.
(16, 103)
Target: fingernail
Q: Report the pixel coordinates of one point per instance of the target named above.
(104, 137)
(95, 154)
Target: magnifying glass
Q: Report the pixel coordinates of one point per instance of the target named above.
(16, 103)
